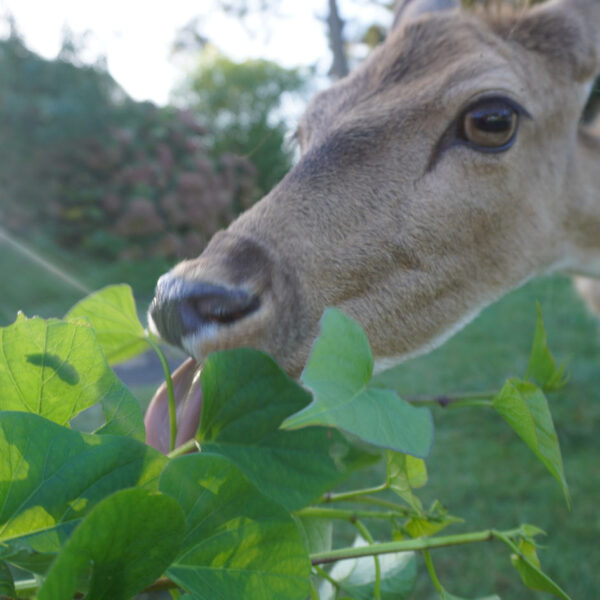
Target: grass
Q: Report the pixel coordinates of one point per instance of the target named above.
(478, 468)
(31, 288)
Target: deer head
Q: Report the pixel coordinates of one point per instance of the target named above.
(446, 170)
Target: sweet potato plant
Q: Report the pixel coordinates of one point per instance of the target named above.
(246, 508)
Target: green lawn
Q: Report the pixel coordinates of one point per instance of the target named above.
(33, 288)
(478, 468)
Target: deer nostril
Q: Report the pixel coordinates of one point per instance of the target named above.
(181, 307)
(221, 305)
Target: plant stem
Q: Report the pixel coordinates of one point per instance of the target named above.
(397, 508)
(28, 588)
(432, 573)
(325, 575)
(170, 392)
(367, 535)
(353, 495)
(414, 544)
(184, 448)
(455, 400)
(345, 515)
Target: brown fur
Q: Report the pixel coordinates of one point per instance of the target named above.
(391, 219)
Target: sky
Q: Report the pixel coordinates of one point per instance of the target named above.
(136, 36)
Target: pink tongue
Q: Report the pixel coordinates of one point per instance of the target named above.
(188, 399)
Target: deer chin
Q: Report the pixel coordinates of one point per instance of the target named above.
(188, 399)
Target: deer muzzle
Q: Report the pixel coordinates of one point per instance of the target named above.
(182, 308)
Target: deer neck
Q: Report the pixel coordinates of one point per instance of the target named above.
(583, 223)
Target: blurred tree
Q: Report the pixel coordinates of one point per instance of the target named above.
(98, 172)
(240, 104)
(341, 47)
(44, 106)
(337, 43)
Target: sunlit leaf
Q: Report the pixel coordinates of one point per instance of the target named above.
(111, 312)
(405, 473)
(238, 543)
(525, 408)
(338, 373)
(123, 416)
(431, 522)
(124, 544)
(51, 477)
(246, 396)
(56, 369)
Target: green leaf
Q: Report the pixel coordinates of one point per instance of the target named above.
(525, 408)
(433, 521)
(246, 396)
(338, 373)
(124, 544)
(530, 531)
(445, 595)
(111, 312)
(238, 543)
(123, 416)
(404, 473)
(317, 533)
(528, 565)
(56, 369)
(356, 577)
(542, 366)
(51, 477)
(7, 585)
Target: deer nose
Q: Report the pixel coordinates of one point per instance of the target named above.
(182, 307)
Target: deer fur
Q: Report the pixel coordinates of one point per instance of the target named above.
(390, 217)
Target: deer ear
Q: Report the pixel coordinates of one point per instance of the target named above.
(407, 10)
(567, 31)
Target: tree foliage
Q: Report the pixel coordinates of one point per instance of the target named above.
(242, 106)
(86, 164)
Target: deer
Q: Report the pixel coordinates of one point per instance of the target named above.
(449, 168)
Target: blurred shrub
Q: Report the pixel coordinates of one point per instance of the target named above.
(147, 188)
(102, 173)
(243, 108)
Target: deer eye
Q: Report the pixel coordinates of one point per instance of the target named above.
(490, 125)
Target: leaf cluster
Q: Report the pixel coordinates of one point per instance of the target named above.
(102, 514)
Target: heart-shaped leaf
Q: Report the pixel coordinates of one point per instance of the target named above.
(51, 477)
(238, 543)
(246, 396)
(56, 369)
(338, 373)
(111, 312)
(124, 544)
